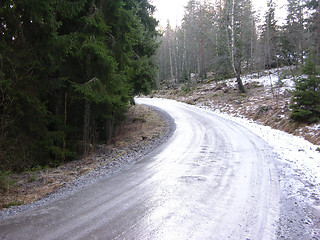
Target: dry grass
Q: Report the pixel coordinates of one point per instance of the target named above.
(141, 124)
(258, 104)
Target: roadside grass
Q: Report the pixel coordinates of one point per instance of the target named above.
(141, 126)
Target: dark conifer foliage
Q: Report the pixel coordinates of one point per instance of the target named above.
(306, 97)
(68, 70)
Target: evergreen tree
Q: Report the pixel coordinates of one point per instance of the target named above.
(27, 78)
(249, 35)
(270, 38)
(191, 32)
(223, 50)
(312, 32)
(294, 32)
(306, 96)
(68, 70)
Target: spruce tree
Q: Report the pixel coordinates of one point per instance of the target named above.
(270, 38)
(68, 71)
(306, 96)
(294, 32)
(27, 79)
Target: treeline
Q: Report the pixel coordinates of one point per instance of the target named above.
(68, 69)
(226, 38)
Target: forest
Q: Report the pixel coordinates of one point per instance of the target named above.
(227, 38)
(68, 70)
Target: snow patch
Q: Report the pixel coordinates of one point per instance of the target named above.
(298, 159)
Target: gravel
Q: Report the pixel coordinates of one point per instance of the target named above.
(134, 154)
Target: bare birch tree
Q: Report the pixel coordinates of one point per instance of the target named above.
(232, 8)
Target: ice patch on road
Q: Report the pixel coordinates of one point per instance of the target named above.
(298, 164)
(297, 153)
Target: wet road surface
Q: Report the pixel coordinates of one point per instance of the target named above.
(212, 180)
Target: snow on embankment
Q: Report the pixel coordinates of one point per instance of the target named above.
(298, 164)
(265, 108)
(299, 160)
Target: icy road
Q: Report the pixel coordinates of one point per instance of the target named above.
(213, 179)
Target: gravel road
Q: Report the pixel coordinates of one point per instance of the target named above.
(212, 179)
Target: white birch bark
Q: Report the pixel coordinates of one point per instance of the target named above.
(234, 49)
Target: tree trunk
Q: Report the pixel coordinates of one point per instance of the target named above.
(177, 75)
(65, 126)
(318, 34)
(202, 71)
(170, 60)
(301, 33)
(109, 130)
(233, 52)
(240, 84)
(86, 129)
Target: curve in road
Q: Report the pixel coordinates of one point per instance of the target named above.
(213, 179)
